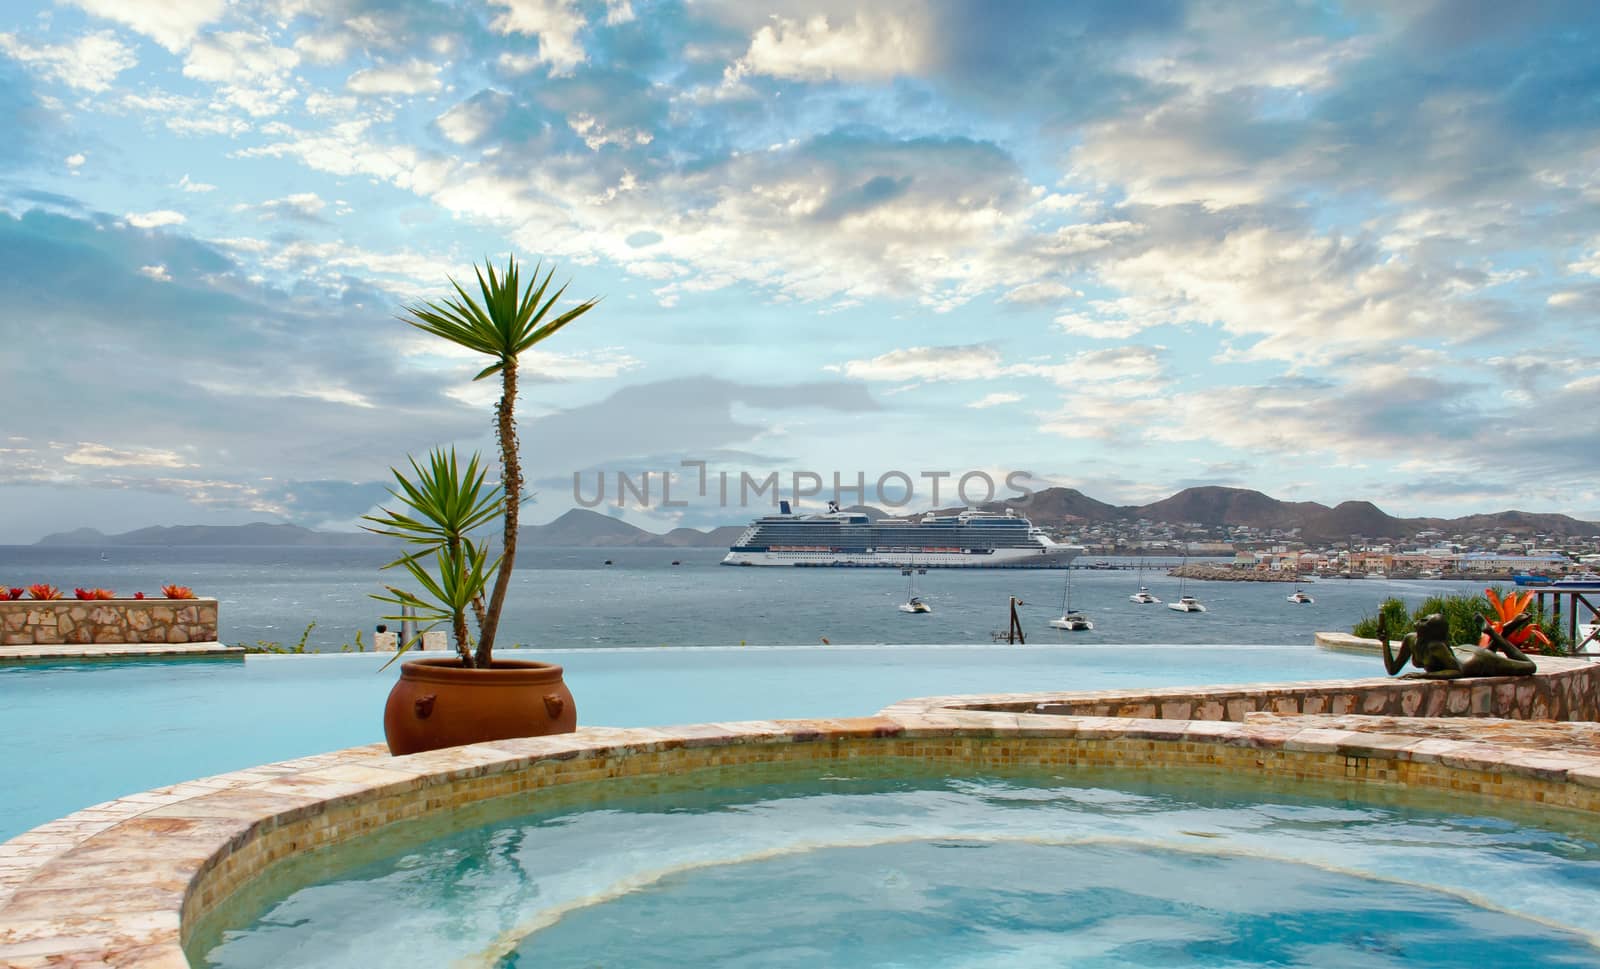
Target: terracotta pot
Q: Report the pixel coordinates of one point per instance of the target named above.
(437, 703)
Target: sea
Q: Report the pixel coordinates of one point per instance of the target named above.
(597, 597)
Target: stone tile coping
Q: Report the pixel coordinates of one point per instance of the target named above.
(119, 883)
(1346, 643)
(88, 652)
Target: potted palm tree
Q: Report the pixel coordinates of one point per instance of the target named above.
(443, 509)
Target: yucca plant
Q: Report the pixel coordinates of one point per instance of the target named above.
(441, 509)
(504, 319)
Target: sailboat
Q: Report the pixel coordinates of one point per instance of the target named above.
(1074, 621)
(1185, 603)
(913, 603)
(1301, 599)
(1143, 596)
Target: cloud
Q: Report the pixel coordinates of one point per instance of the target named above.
(156, 219)
(994, 400)
(171, 23)
(192, 186)
(157, 272)
(89, 63)
(412, 77)
(104, 456)
(250, 71)
(556, 23)
(972, 362)
(304, 206)
(76, 159)
(868, 46)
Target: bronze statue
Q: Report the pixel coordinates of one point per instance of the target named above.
(1428, 648)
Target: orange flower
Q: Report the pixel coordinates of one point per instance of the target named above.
(1507, 611)
(43, 591)
(177, 592)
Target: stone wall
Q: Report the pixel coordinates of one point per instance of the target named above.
(57, 621)
(1563, 689)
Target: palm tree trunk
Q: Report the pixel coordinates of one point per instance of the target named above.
(511, 486)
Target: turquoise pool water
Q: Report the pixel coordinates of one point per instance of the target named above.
(870, 869)
(76, 735)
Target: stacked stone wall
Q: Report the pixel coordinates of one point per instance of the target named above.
(53, 622)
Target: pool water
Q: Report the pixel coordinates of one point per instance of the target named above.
(880, 868)
(73, 735)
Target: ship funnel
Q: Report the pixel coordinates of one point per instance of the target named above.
(783, 508)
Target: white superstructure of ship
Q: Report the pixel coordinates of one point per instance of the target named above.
(967, 539)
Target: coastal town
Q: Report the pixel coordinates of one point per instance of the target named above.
(1429, 553)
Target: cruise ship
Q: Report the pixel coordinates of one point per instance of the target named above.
(969, 539)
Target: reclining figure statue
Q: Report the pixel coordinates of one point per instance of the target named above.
(1428, 648)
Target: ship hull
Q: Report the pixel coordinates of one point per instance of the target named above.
(999, 558)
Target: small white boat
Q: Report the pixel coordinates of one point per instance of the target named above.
(1186, 604)
(913, 603)
(1300, 598)
(1143, 597)
(1070, 619)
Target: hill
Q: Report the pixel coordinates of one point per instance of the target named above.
(262, 534)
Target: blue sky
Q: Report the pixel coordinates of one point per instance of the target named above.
(1327, 250)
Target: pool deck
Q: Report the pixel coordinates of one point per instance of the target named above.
(122, 883)
(94, 652)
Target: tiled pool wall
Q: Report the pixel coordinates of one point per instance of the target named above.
(53, 622)
(1564, 689)
(125, 883)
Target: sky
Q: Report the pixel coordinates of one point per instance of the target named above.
(1329, 251)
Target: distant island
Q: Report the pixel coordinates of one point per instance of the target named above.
(1063, 510)
(577, 528)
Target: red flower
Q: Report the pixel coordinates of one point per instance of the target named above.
(177, 592)
(83, 593)
(42, 591)
(138, 595)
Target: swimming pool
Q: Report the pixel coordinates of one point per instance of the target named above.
(875, 864)
(78, 734)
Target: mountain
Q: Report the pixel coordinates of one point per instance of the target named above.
(1054, 508)
(255, 533)
(589, 529)
(1065, 508)
(1229, 506)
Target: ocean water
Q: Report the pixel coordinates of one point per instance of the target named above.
(570, 599)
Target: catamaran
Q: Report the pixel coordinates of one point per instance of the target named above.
(1143, 597)
(913, 603)
(1069, 618)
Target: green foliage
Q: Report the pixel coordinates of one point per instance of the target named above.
(268, 646)
(509, 320)
(1395, 616)
(503, 320)
(1461, 612)
(438, 513)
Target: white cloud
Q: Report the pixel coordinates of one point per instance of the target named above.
(869, 46)
(1040, 292)
(555, 22)
(467, 121)
(170, 23)
(412, 77)
(76, 160)
(101, 455)
(156, 219)
(927, 363)
(304, 205)
(994, 400)
(89, 63)
(252, 73)
(191, 186)
(618, 12)
(157, 272)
